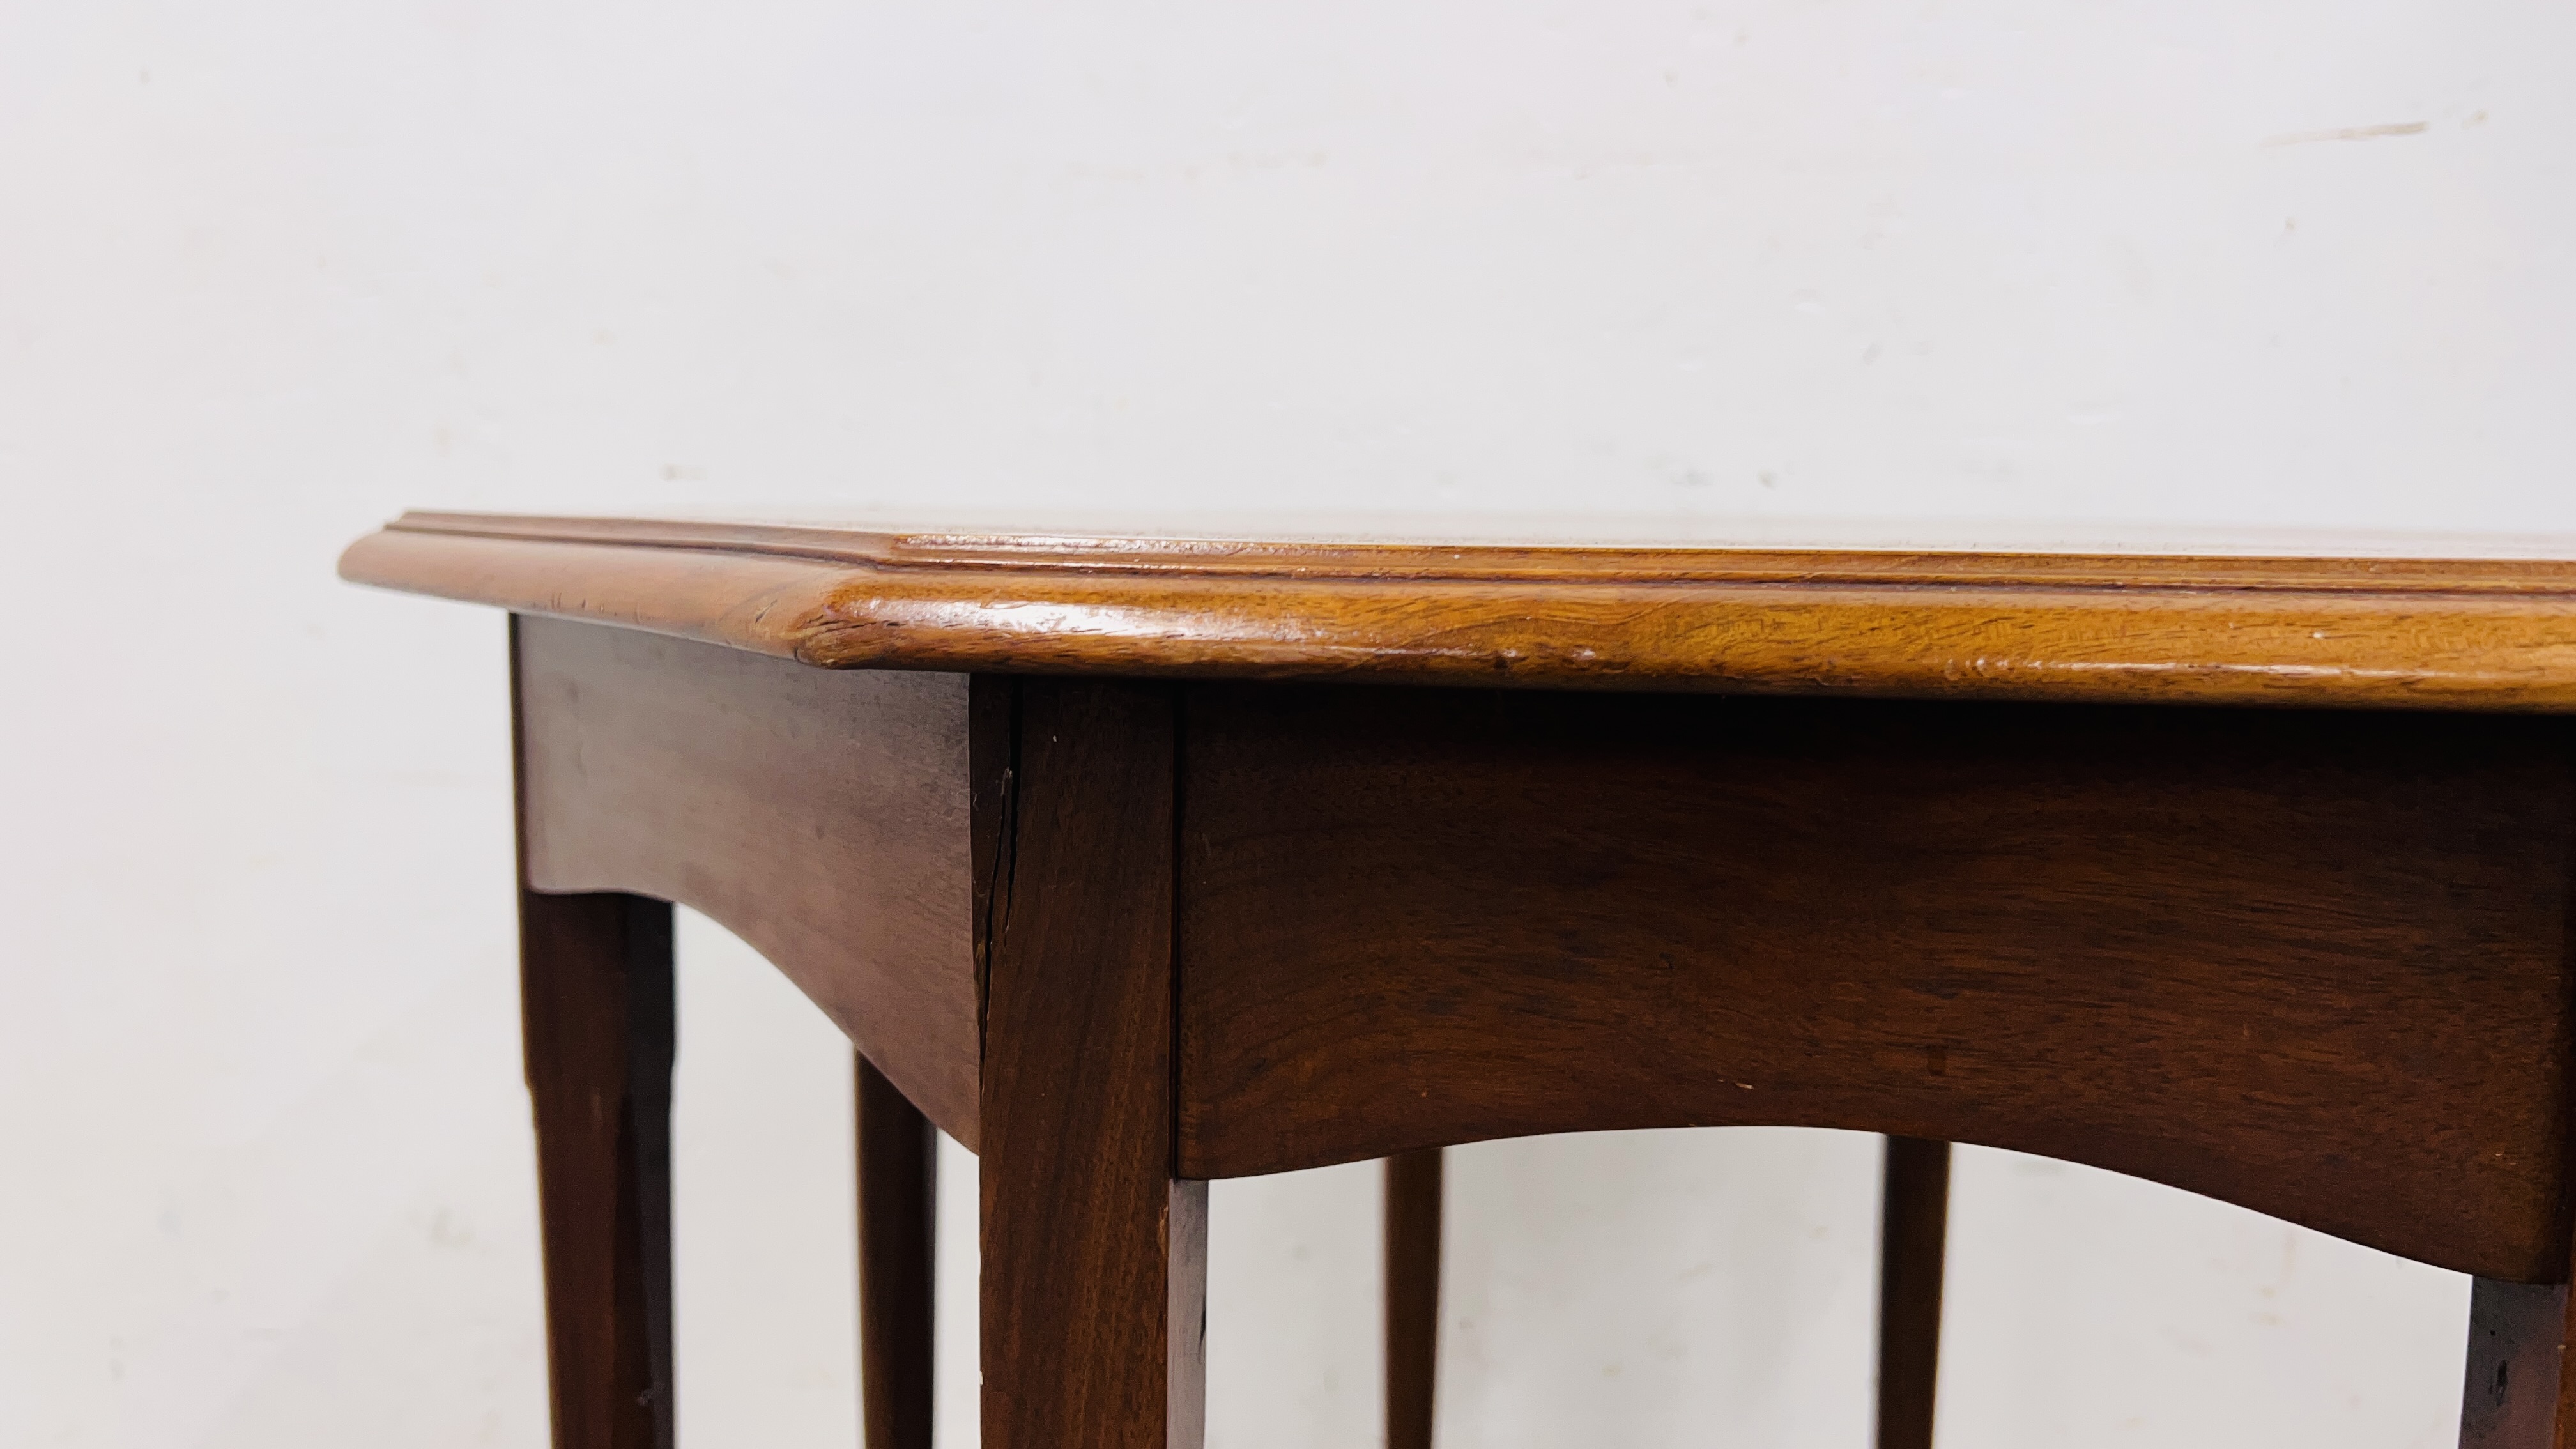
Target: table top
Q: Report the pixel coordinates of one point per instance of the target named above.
(2351, 631)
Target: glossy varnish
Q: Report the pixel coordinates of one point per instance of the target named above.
(2001, 874)
(2380, 632)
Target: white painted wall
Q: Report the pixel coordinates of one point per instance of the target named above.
(1981, 269)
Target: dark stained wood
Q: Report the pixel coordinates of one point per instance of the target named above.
(2563, 1427)
(1413, 1212)
(822, 817)
(2309, 962)
(898, 1212)
(1913, 1241)
(2364, 632)
(595, 977)
(1094, 1255)
(2517, 1336)
(1126, 936)
(992, 746)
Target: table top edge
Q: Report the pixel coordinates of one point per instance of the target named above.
(2481, 633)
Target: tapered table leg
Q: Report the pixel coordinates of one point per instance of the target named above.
(898, 1184)
(1413, 1210)
(1913, 1239)
(597, 1011)
(1095, 1274)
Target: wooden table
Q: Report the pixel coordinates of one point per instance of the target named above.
(1133, 864)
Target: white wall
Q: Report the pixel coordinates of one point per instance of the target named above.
(1986, 269)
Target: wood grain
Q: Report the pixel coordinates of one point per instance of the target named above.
(1913, 1244)
(2309, 962)
(597, 1014)
(2510, 1397)
(1413, 1213)
(2377, 632)
(898, 1156)
(822, 817)
(1094, 1266)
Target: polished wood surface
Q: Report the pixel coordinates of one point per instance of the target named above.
(898, 1156)
(2005, 875)
(1913, 1242)
(820, 816)
(1413, 1210)
(2311, 962)
(597, 1014)
(1094, 1252)
(2373, 632)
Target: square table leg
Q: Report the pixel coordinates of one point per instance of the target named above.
(2512, 1397)
(597, 1013)
(898, 1212)
(1413, 1213)
(1094, 1252)
(1913, 1242)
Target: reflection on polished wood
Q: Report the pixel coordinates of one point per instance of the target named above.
(2384, 632)
(1119, 875)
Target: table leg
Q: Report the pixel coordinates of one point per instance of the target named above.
(898, 1186)
(2511, 1399)
(597, 1012)
(1094, 1271)
(1913, 1234)
(1413, 1203)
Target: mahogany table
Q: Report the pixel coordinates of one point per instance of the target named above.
(1135, 863)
